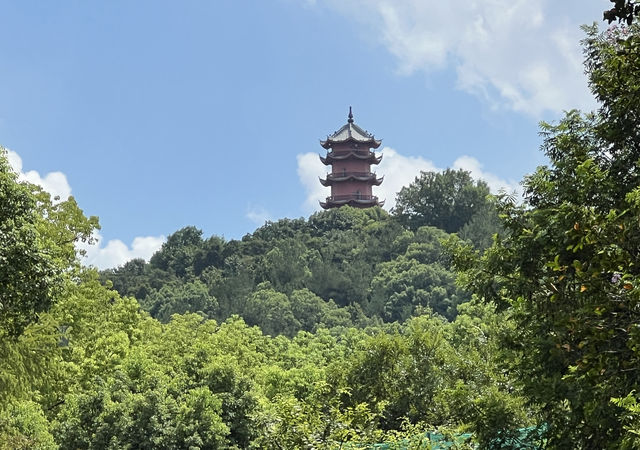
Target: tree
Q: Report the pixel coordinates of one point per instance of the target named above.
(416, 281)
(192, 296)
(37, 238)
(446, 200)
(179, 253)
(142, 409)
(311, 311)
(568, 266)
(622, 11)
(23, 426)
(271, 311)
(137, 278)
(210, 254)
(285, 265)
(482, 226)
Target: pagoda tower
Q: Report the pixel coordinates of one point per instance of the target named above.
(350, 156)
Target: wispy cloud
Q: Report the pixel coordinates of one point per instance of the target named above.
(115, 253)
(55, 183)
(258, 215)
(496, 184)
(521, 55)
(398, 171)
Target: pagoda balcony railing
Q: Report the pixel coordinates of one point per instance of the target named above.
(351, 151)
(347, 197)
(335, 175)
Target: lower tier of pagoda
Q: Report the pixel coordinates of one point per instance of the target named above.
(355, 200)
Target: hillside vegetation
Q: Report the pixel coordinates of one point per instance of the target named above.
(343, 267)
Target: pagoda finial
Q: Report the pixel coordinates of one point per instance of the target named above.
(350, 116)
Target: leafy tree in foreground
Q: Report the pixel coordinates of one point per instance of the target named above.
(37, 240)
(623, 11)
(568, 268)
(23, 426)
(38, 263)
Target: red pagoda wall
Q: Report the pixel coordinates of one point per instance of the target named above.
(350, 165)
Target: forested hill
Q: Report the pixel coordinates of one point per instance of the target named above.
(343, 267)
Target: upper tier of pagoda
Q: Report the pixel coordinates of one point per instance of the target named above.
(351, 133)
(362, 154)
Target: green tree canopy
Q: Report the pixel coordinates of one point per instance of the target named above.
(37, 248)
(446, 200)
(179, 253)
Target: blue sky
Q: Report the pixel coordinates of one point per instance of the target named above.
(155, 115)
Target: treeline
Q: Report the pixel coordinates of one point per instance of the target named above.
(83, 367)
(344, 267)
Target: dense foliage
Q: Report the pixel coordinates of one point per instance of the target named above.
(347, 329)
(275, 341)
(446, 200)
(344, 267)
(567, 270)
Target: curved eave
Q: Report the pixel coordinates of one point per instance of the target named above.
(367, 179)
(370, 143)
(351, 202)
(371, 157)
(363, 202)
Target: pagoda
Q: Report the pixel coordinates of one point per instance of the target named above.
(350, 156)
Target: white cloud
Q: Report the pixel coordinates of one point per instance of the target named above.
(258, 215)
(309, 169)
(398, 171)
(496, 184)
(522, 55)
(115, 253)
(55, 183)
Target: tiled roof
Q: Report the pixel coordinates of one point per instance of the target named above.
(351, 132)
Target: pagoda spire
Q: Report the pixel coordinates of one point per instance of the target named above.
(350, 116)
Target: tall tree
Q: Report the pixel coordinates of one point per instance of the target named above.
(37, 248)
(446, 200)
(179, 253)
